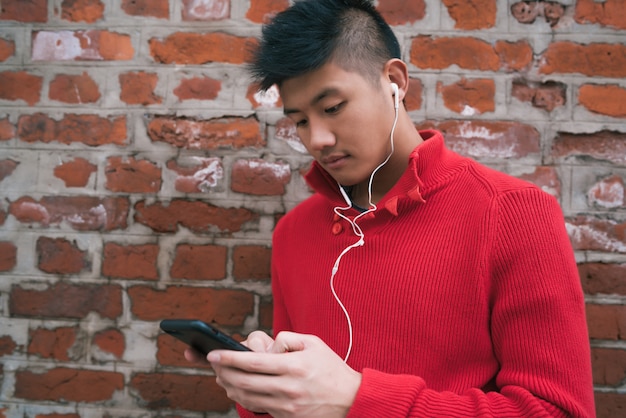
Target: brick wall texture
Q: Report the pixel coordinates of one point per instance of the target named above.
(142, 175)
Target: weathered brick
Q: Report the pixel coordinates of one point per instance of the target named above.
(74, 89)
(69, 385)
(469, 97)
(606, 322)
(195, 48)
(53, 415)
(7, 346)
(90, 130)
(224, 306)
(198, 88)
(205, 10)
(608, 193)
(148, 8)
(91, 45)
(608, 99)
(52, 343)
(7, 49)
(514, 56)
(76, 172)
(529, 11)
(603, 278)
(286, 131)
(413, 97)
(548, 95)
(263, 11)
(206, 134)
(603, 145)
(111, 341)
(483, 139)
(545, 178)
(60, 256)
(605, 13)
(608, 366)
(594, 60)
(595, 234)
(610, 404)
(138, 88)
(32, 11)
(130, 261)
(8, 256)
(261, 178)
(263, 99)
(7, 130)
(197, 216)
(180, 392)
(202, 177)
(266, 310)
(440, 53)
(88, 11)
(7, 167)
(400, 12)
(199, 262)
(132, 176)
(251, 262)
(471, 15)
(19, 85)
(63, 300)
(82, 213)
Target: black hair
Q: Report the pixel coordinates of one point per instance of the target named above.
(304, 37)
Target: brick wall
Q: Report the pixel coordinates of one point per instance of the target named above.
(141, 177)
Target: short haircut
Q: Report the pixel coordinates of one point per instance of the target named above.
(311, 33)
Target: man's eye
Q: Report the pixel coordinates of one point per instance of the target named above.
(333, 109)
(301, 123)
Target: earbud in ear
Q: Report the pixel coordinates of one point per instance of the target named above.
(396, 100)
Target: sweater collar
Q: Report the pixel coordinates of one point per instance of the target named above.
(429, 164)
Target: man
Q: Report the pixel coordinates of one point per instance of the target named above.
(415, 282)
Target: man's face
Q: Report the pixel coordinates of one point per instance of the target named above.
(343, 120)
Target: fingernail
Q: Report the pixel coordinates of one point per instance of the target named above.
(213, 357)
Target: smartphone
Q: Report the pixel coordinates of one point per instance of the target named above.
(200, 335)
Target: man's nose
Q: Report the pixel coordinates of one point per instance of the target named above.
(320, 137)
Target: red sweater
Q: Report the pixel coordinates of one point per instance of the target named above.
(465, 298)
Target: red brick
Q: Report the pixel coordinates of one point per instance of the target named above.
(607, 100)
(89, 11)
(20, 85)
(60, 256)
(546, 178)
(24, 11)
(205, 10)
(471, 15)
(514, 56)
(594, 234)
(603, 145)
(75, 173)
(400, 12)
(608, 366)
(261, 178)
(226, 307)
(74, 89)
(483, 139)
(7, 49)
(548, 95)
(608, 193)
(606, 322)
(7, 167)
(132, 176)
(606, 13)
(594, 60)
(199, 262)
(195, 48)
(90, 130)
(57, 416)
(130, 261)
(181, 392)
(7, 130)
(203, 177)
(251, 262)
(207, 134)
(440, 53)
(91, 45)
(528, 11)
(610, 404)
(263, 11)
(63, 300)
(3, 216)
(83, 213)
(138, 88)
(286, 131)
(200, 217)
(198, 88)
(413, 97)
(8, 256)
(267, 99)
(52, 343)
(266, 310)
(149, 8)
(601, 278)
(7, 346)
(469, 97)
(111, 341)
(68, 385)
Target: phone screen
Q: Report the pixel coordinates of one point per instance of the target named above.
(200, 335)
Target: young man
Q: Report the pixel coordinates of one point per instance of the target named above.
(415, 282)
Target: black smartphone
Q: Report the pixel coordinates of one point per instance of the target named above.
(200, 335)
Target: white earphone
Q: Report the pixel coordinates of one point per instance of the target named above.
(396, 100)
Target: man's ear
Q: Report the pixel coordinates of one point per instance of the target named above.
(396, 71)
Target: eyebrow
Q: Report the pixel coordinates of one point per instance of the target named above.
(324, 93)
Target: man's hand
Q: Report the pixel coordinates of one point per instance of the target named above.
(294, 375)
